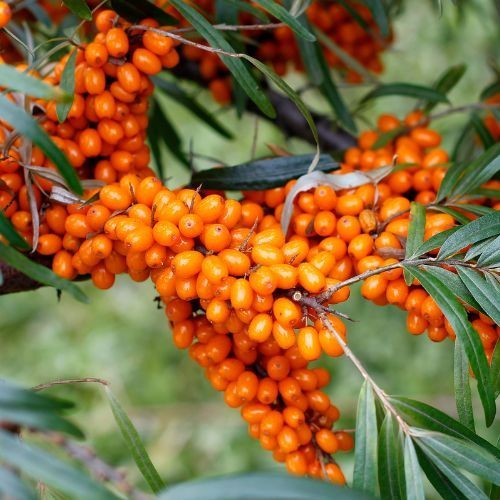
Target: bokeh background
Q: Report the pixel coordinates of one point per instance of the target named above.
(122, 336)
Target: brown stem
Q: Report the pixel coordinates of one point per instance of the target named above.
(87, 380)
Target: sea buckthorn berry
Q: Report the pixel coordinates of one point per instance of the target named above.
(114, 197)
(117, 42)
(166, 233)
(318, 401)
(416, 324)
(360, 246)
(288, 440)
(159, 44)
(96, 54)
(62, 265)
(210, 208)
(311, 278)
(397, 292)
(187, 264)
(267, 255)
(238, 264)
(272, 423)
(335, 474)
(373, 287)
(368, 221)
(285, 337)
(90, 143)
(348, 227)
(102, 278)
(295, 251)
(215, 237)
(286, 312)
(5, 14)
(325, 223)
(263, 281)
(215, 269)
(76, 225)
(327, 441)
(267, 391)
(431, 312)
(296, 463)
(308, 343)
(260, 327)
(49, 244)
(278, 367)
(146, 61)
(325, 198)
(247, 385)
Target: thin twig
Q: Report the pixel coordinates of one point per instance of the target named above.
(87, 380)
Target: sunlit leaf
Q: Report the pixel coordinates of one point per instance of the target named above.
(135, 444)
(68, 85)
(365, 454)
(79, 8)
(391, 460)
(463, 397)
(416, 232)
(413, 475)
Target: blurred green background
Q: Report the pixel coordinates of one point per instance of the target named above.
(123, 338)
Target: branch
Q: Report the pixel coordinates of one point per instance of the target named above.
(15, 281)
(288, 119)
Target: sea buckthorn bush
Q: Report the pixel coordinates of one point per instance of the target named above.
(252, 263)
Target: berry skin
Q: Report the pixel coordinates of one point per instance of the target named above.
(5, 14)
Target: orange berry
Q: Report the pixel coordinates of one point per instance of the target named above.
(308, 343)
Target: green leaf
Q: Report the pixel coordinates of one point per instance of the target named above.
(490, 256)
(44, 420)
(30, 129)
(463, 455)
(434, 242)
(365, 454)
(161, 130)
(464, 178)
(461, 482)
(489, 193)
(234, 64)
(79, 8)
(416, 232)
(454, 283)
(477, 230)
(10, 233)
(457, 316)
(483, 291)
(413, 475)
(405, 89)
(181, 97)
(477, 249)
(39, 273)
(495, 369)
(294, 97)
(44, 467)
(68, 85)
(260, 174)
(331, 93)
(482, 131)
(11, 486)
(260, 486)
(438, 479)
(490, 91)
(465, 146)
(238, 6)
(136, 11)
(379, 14)
(422, 415)
(134, 444)
(475, 209)
(279, 12)
(19, 81)
(391, 460)
(13, 396)
(446, 82)
(463, 397)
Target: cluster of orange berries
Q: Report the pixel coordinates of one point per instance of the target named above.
(279, 48)
(104, 133)
(226, 276)
(365, 228)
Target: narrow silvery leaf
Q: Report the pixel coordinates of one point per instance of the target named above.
(463, 397)
(413, 474)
